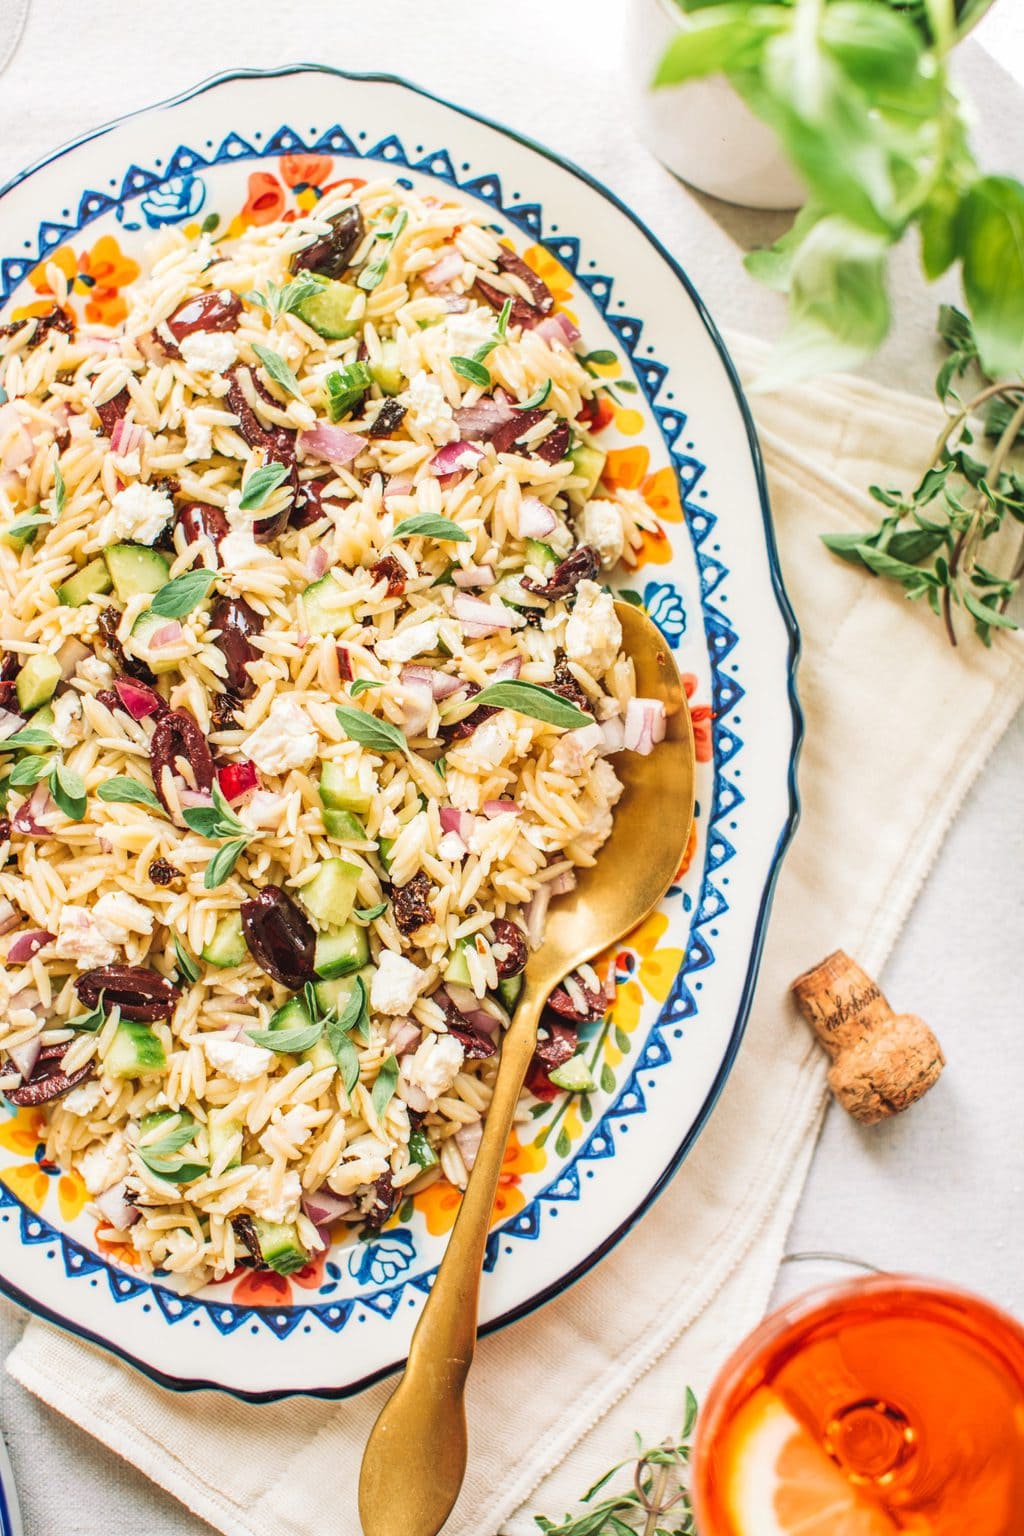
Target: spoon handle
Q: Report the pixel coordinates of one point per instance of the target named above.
(415, 1458)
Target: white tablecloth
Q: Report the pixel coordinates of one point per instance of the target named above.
(935, 1190)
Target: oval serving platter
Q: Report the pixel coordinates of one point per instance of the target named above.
(263, 146)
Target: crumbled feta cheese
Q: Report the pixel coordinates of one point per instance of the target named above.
(80, 938)
(286, 1206)
(119, 914)
(263, 810)
(67, 711)
(198, 437)
(239, 550)
(209, 351)
(451, 847)
(433, 1069)
(593, 634)
(470, 329)
(104, 1164)
(95, 670)
(139, 513)
(287, 739)
(429, 411)
(396, 984)
(83, 1099)
(601, 527)
(413, 641)
(240, 1060)
(487, 746)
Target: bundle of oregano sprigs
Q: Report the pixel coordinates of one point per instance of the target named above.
(655, 1503)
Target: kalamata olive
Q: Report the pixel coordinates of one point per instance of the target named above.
(48, 1082)
(410, 905)
(557, 1047)
(582, 565)
(553, 448)
(280, 937)
(308, 508)
(388, 419)
(109, 621)
(386, 1199)
(329, 254)
(542, 300)
(278, 442)
(140, 994)
(511, 939)
(476, 1043)
(113, 411)
(245, 1231)
(565, 683)
(236, 621)
(10, 666)
(589, 1005)
(218, 311)
(200, 521)
(177, 734)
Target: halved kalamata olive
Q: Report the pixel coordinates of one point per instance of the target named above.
(565, 683)
(511, 938)
(177, 734)
(113, 411)
(278, 442)
(553, 448)
(387, 420)
(582, 565)
(246, 1233)
(385, 1202)
(542, 300)
(329, 254)
(308, 507)
(140, 994)
(48, 1082)
(200, 521)
(280, 937)
(475, 1042)
(109, 622)
(236, 621)
(557, 1047)
(584, 1009)
(220, 311)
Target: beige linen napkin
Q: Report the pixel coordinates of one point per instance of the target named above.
(897, 727)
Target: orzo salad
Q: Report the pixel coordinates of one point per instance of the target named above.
(310, 695)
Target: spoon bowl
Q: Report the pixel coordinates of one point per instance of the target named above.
(415, 1458)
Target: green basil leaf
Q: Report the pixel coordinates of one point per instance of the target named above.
(367, 914)
(93, 1020)
(31, 736)
(384, 1088)
(28, 525)
(188, 969)
(178, 597)
(506, 310)
(60, 494)
(288, 1041)
(991, 239)
(223, 862)
(29, 770)
(374, 272)
(363, 685)
(278, 370)
(426, 526)
(346, 1055)
(122, 789)
(166, 1158)
(261, 483)
(712, 45)
(68, 790)
(533, 700)
(538, 397)
(377, 735)
(469, 368)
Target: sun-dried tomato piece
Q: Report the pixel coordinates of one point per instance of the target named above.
(139, 993)
(391, 570)
(387, 420)
(245, 1231)
(162, 873)
(566, 684)
(465, 727)
(386, 1200)
(410, 904)
(114, 410)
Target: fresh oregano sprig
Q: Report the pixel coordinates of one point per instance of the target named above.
(932, 540)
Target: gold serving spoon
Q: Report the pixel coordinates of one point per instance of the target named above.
(415, 1459)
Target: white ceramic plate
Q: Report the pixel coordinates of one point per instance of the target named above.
(258, 146)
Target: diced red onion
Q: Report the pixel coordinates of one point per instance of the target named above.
(317, 562)
(126, 436)
(28, 944)
(467, 1139)
(70, 654)
(444, 684)
(510, 668)
(9, 723)
(233, 1031)
(323, 1206)
(480, 618)
(404, 1035)
(562, 884)
(398, 485)
(492, 808)
(644, 725)
(344, 664)
(456, 821)
(27, 819)
(536, 915)
(558, 328)
(536, 520)
(481, 1020)
(10, 917)
(331, 443)
(238, 779)
(414, 673)
(167, 634)
(25, 1055)
(138, 699)
(614, 734)
(113, 1204)
(443, 271)
(454, 457)
(474, 576)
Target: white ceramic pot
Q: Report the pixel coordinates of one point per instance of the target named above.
(703, 131)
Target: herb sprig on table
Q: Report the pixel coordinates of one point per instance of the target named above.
(934, 540)
(656, 1504)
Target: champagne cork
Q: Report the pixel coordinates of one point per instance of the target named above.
(882, 1062)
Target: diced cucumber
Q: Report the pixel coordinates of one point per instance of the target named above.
(280, 1246)
(135, 1051)
(291, 1015)
(341, 791)
(384, 847)
(331, 894)
(337, 954)
(135, 568)
(227, 947)
(146, 625)
(42, 720)
(508, 991)
(343, 826)
(457, 969)
(421, 1151)
(93, 580)
(335, 993)
(511, 590)
(541, 555)
(188, 1171)
(574, 1076)
(328, 608)
(330, 310)
(386, 373)
(320, 1055)
(220, 1131)
(588, 464)
(19, 540)
(36, 681)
